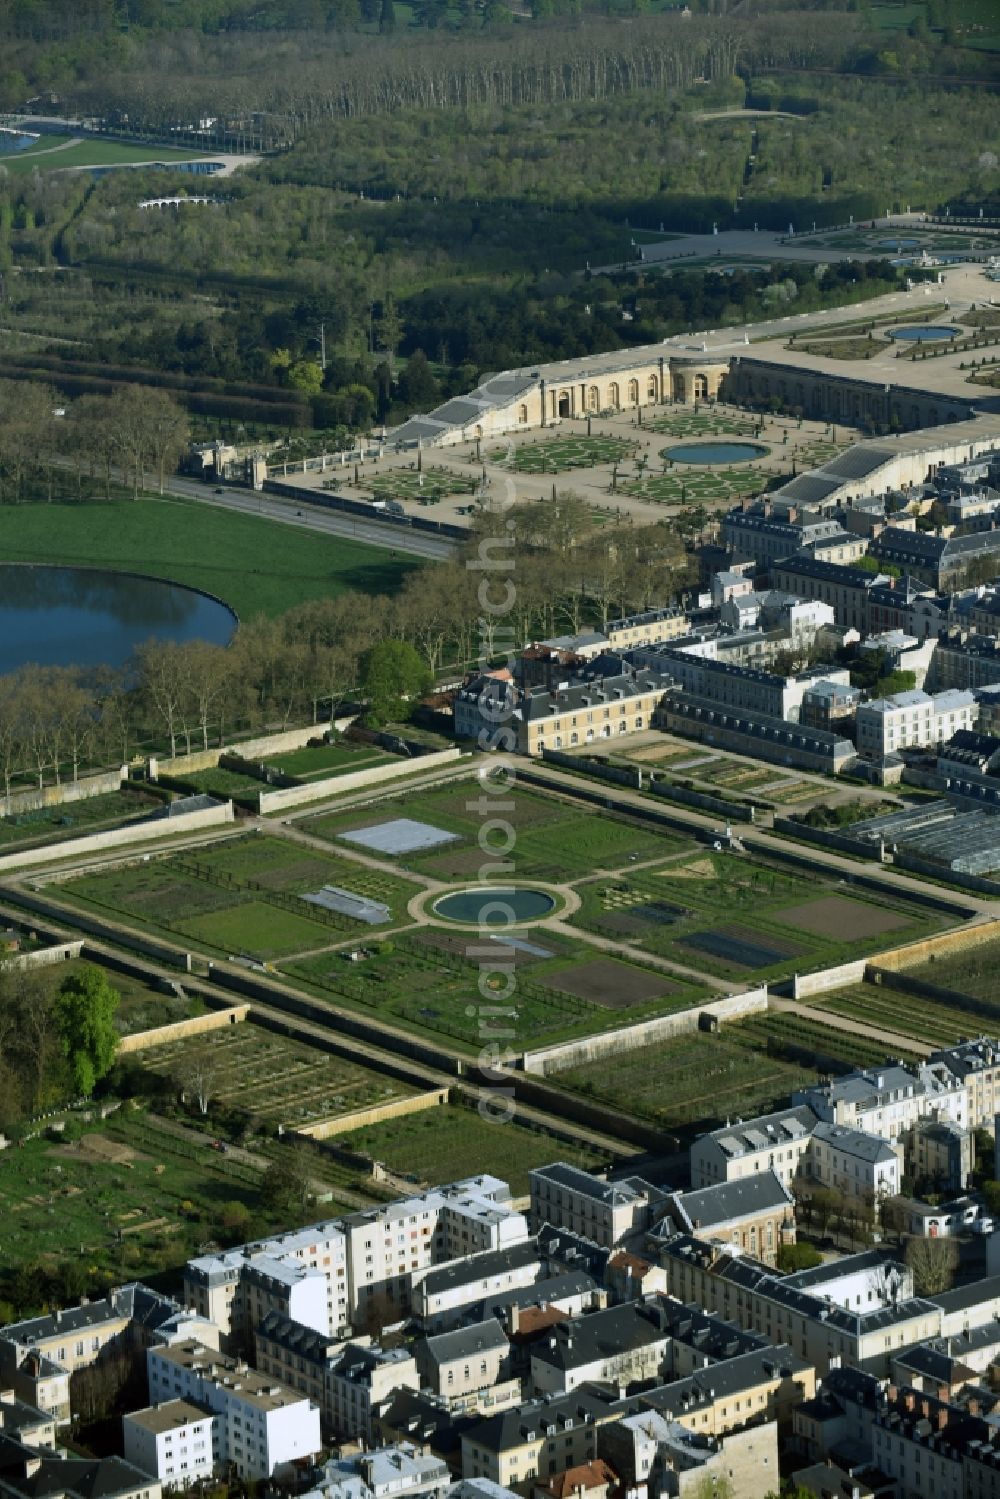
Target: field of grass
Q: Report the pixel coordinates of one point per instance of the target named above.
(141, 1008)
(218, 781)
(426, 983)
(240, 895)
(275, 1078)
(449, 1143)
(555, 839)
(314, 762)
(691, 1079)
(742, 918)
(73, 819)
(257, 566)
(92, 153)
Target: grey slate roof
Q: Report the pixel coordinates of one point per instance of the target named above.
(726, 1202)
(609, 1194)
(476, 1267)
(467, 1342)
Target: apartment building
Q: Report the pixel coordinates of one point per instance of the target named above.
(605, 1212)
(756, 734)
(845, 589)
(622, 1346)
(470, 1368)
(360, 1382)
(402, 1471)
(261, 1426)
(174, 1442)
(805, 1309)
(975, 1065)
(913, 720)
(773, 1142)
(442, 1295)
(484, 705)
(327, 1275)
(651, 1455)
(296, 1355)
(548, 1436)
(747, 689)
(38, 1355)
(755, 536)
(864, 1168)
(887, 1101)
(651, 627)
(30, 1472)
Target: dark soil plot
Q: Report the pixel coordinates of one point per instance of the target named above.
(660, 912)
(737, 947)
(469, 946)
(841, 918)
(613, 985)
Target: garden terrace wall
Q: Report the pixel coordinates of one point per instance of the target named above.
(646, 1032)
(143, 832)
(976, 882)
(110, 931)
(804, 984)
(631, 777)
(828, 838)
(36, 800)
(179, 1030)
(354, 780)
(915, 953)
(579, 791)
(377, 1114)
(247, 749)
(45, 957)
(277, 997)
(906, 983)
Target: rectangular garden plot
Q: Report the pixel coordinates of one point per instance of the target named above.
(737, 946)
(614, 985)
(840, 917)
(401, 835)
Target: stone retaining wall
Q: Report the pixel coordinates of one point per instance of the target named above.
(360, 1118)
(142, 832)
(644, 1033)
(804, 984)
(934, 947)
(354, 780)
(178, 1030)
(35, 800)
(247, 749)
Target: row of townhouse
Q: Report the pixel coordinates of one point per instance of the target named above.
(847, 1133)
(329, 1274)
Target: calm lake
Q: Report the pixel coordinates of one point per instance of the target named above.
(68, 616)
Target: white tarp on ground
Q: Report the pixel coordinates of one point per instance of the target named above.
(332, 898)
(403, 835)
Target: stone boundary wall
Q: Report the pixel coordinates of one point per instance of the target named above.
(354, 780)
(827, 838)
(45, 957)
(702, 801)
(178, 1030)
(904, 983)
(804, 984)
(618, 775)
(260, 748)
(932, 947)
(977, 882)
(36, 800)
(644, 1033)
(107, 930)
(416, 1104)
(143, 832)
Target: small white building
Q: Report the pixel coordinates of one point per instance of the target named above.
(913, 720)
(174, 1442)
(261, 1426)
(863, 1167)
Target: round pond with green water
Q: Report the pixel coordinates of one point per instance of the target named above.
(491, 905)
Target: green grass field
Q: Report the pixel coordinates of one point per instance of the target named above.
(73, 819)
(218, 781)
(240, 896)
(743, 918)
(555, 839)
(92, 153)
(312, 763)
(257, 566)
(448, 1143)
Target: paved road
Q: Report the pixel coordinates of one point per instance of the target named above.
(310, 518)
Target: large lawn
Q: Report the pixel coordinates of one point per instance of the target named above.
(92, 153)
(257, 566)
